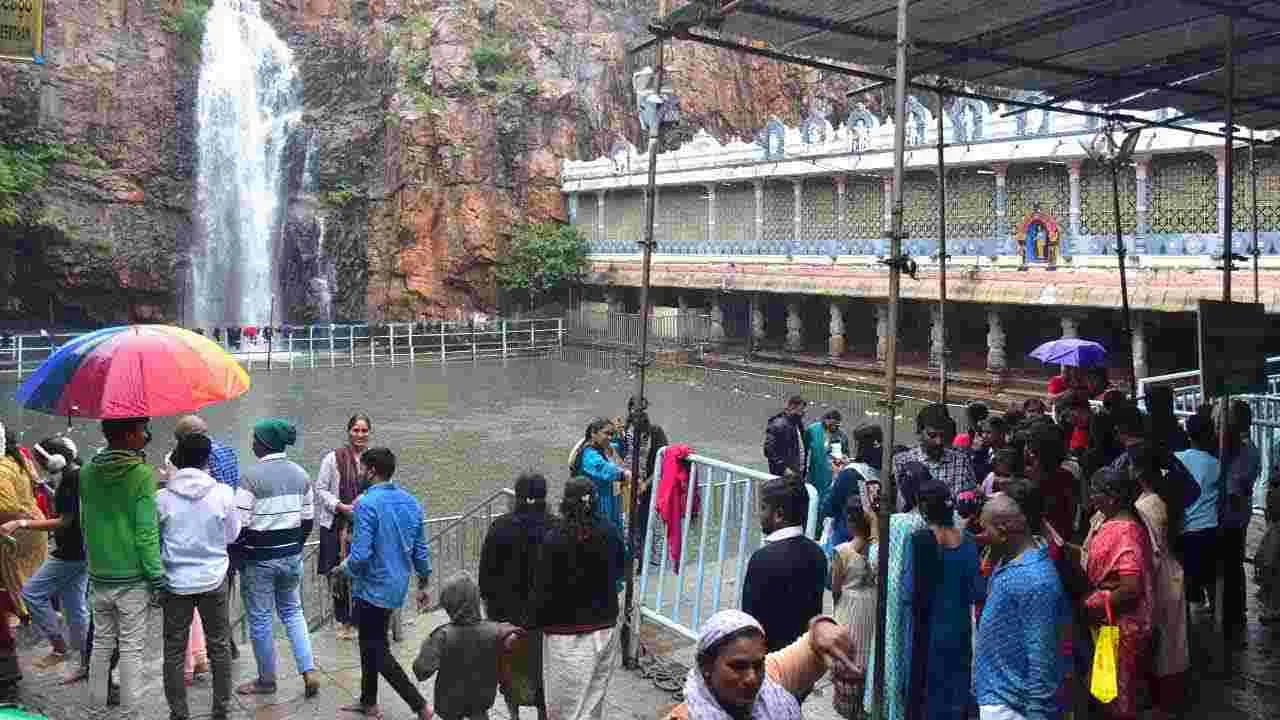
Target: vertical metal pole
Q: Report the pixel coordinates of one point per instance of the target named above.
(271, 321)
(1124, 282)
(412, 358)
(373, 360)
(1229, 144)
(888, 499)
(289, 341)
(1253, 211)
(504, 339)
(630, 656)
(942, 259)
(444, 354)
(560, 333)
(19, 350)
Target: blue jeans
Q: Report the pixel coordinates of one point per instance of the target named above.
(67, 580)
(268, 585)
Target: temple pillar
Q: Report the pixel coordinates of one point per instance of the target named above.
(717, 318)
(758, 237)
(1142, 203)
(710, 240)
(601, 235)
(1070, 326)
(1002, 209)
(1140, 368)
(997, 362)
(757, 318)
(882, 331)
(842, 206)
(836, 342)
(937, 345)
(1069, 247)
(797, 216)
(795, 340)
(572, 201)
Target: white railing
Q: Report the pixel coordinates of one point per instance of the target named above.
(334, 345)
(714, 546)
(594, 323)
(1187, 393)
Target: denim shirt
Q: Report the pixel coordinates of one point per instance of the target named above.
(389, 542)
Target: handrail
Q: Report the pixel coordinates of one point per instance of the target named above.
(471, 512)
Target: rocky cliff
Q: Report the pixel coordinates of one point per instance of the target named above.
(430, 126)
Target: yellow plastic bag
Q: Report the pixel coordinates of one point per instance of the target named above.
(1103, 683)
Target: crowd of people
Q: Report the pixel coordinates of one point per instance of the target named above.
(1025, 551)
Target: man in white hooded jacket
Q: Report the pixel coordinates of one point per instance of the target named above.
(198, 519)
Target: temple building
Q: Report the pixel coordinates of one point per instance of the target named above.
(780, 238)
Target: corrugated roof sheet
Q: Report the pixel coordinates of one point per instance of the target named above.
(1121, 54)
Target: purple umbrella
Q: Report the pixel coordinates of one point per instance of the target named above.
(1071, 351)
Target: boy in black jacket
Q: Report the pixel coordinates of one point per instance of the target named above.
(785, 578)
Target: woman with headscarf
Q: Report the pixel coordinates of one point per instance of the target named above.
(727, 682)
(65, 575)
(337, 487)
(575, 602)
(591, 460)
(1117, 562)
(507, 563)
(20, 558)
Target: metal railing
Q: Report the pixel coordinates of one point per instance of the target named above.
(1187, 393)
(607, 327)
(334, 345)
(715, 544)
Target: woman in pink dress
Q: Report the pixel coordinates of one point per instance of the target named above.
(1119, 568)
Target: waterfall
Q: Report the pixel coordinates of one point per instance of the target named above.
(248, 98)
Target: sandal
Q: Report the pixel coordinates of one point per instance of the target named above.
(369, 711)
(253, 687)
(49, 661)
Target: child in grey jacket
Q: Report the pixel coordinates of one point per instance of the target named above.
(465, 652)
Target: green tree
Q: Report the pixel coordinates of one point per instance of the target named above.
(543, 259)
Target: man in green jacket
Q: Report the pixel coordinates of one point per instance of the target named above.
(122, 545)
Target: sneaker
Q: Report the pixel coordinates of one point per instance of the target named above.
(50, 661)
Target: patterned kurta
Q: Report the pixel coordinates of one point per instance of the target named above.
(21, 560)
(897, 631)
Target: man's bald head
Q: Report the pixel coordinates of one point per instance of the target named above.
(1003, 513)
(190, 425)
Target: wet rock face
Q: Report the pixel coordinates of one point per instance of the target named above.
(104, 240)
(438, 124)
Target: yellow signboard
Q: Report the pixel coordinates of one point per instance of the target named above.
(22, 30)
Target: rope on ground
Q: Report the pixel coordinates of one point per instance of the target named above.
(667, 675)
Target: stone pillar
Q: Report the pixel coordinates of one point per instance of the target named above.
(842, 208)
(757, 318)
(1002, 209)
(936, 345)
(1070, 247)
(882, 331)
(836, 342)
(1142, 203)
(613, 299)
(710, 240)
(758, 237)
(717, 319)
(795, 340)
(601, 235)
(1139, 346)
(997, 362)
(1070, 326)
(573, 208)
(797, 210)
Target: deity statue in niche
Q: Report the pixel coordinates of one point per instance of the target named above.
(1040, 238)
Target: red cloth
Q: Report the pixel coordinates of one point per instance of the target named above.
(1080, 439)
(962, 441)
(1058, 384)
(673, 494)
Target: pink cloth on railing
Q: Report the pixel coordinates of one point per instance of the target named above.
(196, 651)
(673, 494)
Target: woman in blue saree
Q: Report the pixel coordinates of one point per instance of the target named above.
(592, 461)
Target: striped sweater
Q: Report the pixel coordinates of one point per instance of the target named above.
(275, 504)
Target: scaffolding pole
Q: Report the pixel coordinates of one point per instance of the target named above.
(1253, 212)
(888, 498)
(942, 259)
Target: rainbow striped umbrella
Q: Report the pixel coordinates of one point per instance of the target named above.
(134, 371)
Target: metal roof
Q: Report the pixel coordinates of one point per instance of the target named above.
(1119, 54)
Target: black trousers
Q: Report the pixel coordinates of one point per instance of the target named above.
(1233, 581)
(177, 630)
(1199, 550)
(376, 659)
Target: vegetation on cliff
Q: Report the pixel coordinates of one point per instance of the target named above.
(543, 259)
(188, 25)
